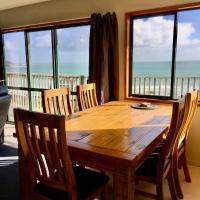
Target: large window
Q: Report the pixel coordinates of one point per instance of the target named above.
(40, 59)
(163, 59)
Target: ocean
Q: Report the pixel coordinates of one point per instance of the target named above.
(157, 69)
(64, 68)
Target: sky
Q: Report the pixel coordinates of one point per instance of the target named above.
(153, 37)
(73, 46)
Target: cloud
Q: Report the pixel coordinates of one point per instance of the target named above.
(73, 39)
(185, 32)
(158, 31)
(43, 41)
(9, 45)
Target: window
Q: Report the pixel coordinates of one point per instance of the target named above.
(187, 75)
(46, 58)
(163, 58)
(73, 55)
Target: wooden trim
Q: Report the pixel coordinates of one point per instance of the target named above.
(127, 50)
(164, 9)
(153, 100)
(128, 16)
(46, 25)
(150, 100)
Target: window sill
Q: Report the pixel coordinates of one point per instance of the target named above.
(150, 100)
(154, 100)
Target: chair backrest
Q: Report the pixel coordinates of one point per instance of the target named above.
(86, 95)
(191, 107)
(57, 101)
(175, 129)
(43, 142)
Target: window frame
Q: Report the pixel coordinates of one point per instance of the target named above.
(129, 48)
(52, 27)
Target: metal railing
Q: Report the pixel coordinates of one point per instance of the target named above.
(20, 98)
(142, 85)
(161, 86)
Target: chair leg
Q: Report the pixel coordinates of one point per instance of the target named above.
(177, 182)
(171, 183)
(104, 194)
(185, 167)
(159, 190)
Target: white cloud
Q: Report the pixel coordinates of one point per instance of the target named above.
(185, 31)
(43, 41)
(9, 45)
(158, 31)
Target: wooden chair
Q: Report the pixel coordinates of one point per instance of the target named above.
(181, 143)
(43, 143)
(57, 101)
(86, 95)
(159, 165)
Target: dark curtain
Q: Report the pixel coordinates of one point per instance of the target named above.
(104, 57)
(1, 58)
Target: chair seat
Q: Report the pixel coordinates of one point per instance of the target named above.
(149, 167)
(87, 181)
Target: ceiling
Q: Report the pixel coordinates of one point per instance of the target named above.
(7, 4)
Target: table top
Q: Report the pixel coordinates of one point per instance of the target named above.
(116, 130)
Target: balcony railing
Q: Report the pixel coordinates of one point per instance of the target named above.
(20, 98)
(161, 86)
(142, 85)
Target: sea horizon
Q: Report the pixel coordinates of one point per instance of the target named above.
(153, 68)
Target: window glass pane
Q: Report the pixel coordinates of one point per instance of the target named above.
(152, 55)
(19, 100)
(188, 52)
(73, 56)
(15, 59)
(36, 100)
(41, 59)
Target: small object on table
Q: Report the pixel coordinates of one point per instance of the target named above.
(144, 105)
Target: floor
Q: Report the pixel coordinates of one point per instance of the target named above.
(9, 185)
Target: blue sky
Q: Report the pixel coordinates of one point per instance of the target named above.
(153, 37)
(191, 16)
(73, 46)
(151, 34)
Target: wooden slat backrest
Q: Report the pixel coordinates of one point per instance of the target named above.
(191, 107)
(42, 139)
(57, 101)
(175, 129)
(86, 95)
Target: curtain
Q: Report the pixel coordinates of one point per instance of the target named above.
(1, 58)
(104, 56)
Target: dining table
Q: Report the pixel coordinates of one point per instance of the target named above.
(115, 138)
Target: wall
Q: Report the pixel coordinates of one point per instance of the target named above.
(56, 10)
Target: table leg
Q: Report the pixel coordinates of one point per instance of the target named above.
(124, 184)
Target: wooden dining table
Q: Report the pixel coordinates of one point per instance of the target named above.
(116, 138)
